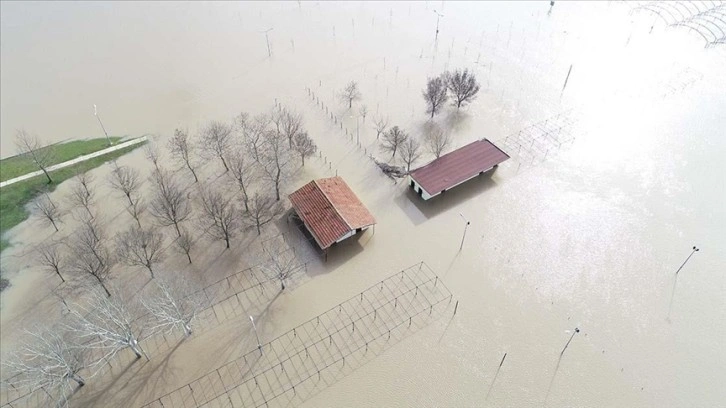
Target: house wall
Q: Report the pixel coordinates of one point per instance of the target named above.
(424, 194)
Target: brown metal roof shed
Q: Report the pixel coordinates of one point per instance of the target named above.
(330, 210)
(456, 167)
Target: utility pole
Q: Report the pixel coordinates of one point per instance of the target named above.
(465, 227)
(693, 251)
(95, 113)
(267, 38)
(568, 341)
(438, 17)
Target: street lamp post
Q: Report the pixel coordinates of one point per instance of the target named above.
(465, 227)
(693, 251)
(438, 17)
(259, 345)
(95, 113)
(568, 341)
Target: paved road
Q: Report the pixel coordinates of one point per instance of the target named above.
(76, 160)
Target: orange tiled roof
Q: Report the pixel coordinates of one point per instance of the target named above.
(330, 209)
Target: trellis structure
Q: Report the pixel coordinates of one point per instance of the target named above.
(706, 18)
(315, 354)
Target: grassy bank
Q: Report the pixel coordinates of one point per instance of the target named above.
(17, 166)
(15, 197)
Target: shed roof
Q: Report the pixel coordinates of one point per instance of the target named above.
(458, 166)
(330, 209)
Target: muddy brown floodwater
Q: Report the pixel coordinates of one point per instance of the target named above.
(584, 227)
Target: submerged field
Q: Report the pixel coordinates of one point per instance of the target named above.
(613, 178)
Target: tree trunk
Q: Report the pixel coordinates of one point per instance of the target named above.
(189, 257)
(226, 169)
(303, 159)
(138, 222)
(350, 103)
(226, 239)
(282, 283)
(128, 195)
(187, 329)
(59, 275)
(50, 180)
(54, 226)
(433, 111)
(77, 378)
(259, 231)
(148, 266)
(193, 172)
(103, 286)
(176, 226)
(135, 347)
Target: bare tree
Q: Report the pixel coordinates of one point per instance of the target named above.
(184, 243)
(174, 304)
(410, 152)
(52, 257)
(153, 154)
(304, 146)
(281, 264)
(263, 209)
(47, 209)
(463, 86)
(105, 323)
(47, 361)
(350, 93)
(437, 141)
(288, 123)
(393, 139)
(126, 181)
(243, 171)
(89, 255)
(30, 147)
(275, 160)
(220, 217)
(253, 132)
(138, 247)
(182, 148)
(136, 209)
(81, 193)
(381, 126)
(435, 95)
(217, 140)
(363, 111)
(170, 205)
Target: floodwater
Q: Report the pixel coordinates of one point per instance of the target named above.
(588, 234)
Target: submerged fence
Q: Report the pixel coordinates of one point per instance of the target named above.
(536, 142)
(317, 353)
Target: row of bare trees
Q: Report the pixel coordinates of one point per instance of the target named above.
(461, 85)
(395, 140)
(54, 361)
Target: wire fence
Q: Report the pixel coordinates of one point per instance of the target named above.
(303, 361)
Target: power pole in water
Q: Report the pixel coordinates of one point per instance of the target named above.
(267, 38)
(438, 17)
(95, 113)
(465, 227)
(693, 251)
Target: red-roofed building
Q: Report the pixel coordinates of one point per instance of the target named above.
(456, 167)
(330, 211)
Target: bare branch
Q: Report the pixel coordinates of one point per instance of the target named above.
(105, 323)
(288, 123)
(217, 140)
(82, 195)
(262, 210)
(381, 126)
(437, 141)
(30, 147)
(182, 149)
(125, 180)
(463, 86)
(139, 207)
(152, 153)
(47, 210)
(52, 257)
(435, 95)
(304, 146)
(170, 205)
(281, 263)
(220, 216)
(393, 139)
(363, 111)
(253, 131)
(275, 160)
(89, 255)
(350, 93)
(410, 152)
(244, 172)
(174, 304)
(138, 247)
(184, 243)
(47, 362)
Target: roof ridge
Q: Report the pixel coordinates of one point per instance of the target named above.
(331, 203)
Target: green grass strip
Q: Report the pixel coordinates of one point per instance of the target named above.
(18, 165)
(15, 197)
